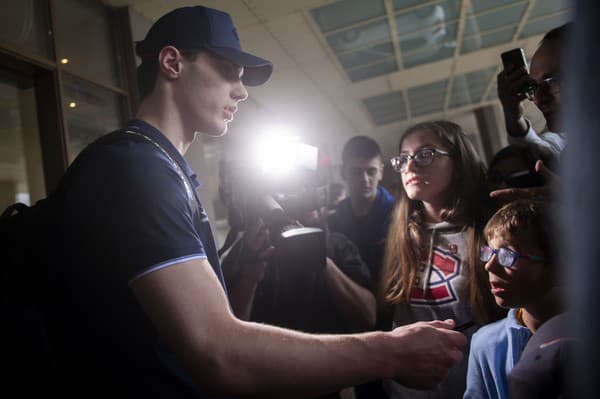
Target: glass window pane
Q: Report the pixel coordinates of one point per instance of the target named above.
(469, 88)
(84, 40)
(361, 36)
(432, 54)
(91, 112)
(491, 20)
(495, 38)
(427, 99)
(386, 108)
(433, 14)
(370, 71)
(401, 4)
(365, 56)
(346, 12)
(549, 7)
(431, 39)
(493, 93)
(21, 170)
(25, 24)
(482, 5)
(541, 26)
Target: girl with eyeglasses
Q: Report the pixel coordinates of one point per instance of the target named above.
(431, 265)
(520, 260)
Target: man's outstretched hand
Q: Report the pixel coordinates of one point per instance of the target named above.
(425, 352)
(544, 192)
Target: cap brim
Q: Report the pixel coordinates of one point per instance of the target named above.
(256, 70)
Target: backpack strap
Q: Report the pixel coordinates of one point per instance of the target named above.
(119, 134)
(191, 193)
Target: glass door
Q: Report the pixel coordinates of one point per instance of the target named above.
(21, 169)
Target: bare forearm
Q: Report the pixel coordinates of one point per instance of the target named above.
(274, 362)
(227, 356)
(355, 303)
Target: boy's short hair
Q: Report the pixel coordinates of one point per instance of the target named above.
(360, 147)
(535, 215)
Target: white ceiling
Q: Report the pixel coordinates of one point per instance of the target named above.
(309, 90)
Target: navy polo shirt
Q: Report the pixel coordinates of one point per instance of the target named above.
(126, 214)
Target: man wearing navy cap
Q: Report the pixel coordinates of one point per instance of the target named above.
(137, 305)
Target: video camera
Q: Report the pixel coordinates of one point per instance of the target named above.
(258, 191)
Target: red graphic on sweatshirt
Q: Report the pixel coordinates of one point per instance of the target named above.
(445, 267)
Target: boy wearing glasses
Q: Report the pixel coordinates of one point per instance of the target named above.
(522, 273)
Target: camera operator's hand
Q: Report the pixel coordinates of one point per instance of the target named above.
(252, 264)
(510, 84)
(257, 243)
(544, 192)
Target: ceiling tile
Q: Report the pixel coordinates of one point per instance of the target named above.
(256, 39)
(297, 38)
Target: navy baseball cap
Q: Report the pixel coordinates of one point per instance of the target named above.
(198, 27)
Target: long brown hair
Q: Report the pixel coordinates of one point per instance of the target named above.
(467, 205)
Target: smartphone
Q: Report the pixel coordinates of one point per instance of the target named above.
(524, 179)
(516, 57)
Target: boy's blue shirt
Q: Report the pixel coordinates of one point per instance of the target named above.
(495, 349)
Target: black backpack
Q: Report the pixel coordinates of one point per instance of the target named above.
(26, 243)
(27, 234)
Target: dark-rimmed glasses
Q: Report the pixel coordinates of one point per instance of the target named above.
(551, 82)
(423, 157)
(505, 256)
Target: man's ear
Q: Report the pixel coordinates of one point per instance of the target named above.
(169, 62)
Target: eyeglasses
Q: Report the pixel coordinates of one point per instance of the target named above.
(505, 256)
(423, 157)
(551, 82)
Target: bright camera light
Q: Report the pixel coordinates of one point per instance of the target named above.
(276, 153)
